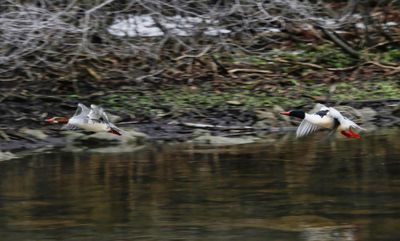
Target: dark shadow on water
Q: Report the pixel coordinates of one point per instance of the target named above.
(278, 189)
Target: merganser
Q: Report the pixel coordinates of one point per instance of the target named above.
(94, 119)
(326, 117)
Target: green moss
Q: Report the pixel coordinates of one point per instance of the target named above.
(295, 89)
(387, 57)
(73, 96)
(183, 99)
(367, 90)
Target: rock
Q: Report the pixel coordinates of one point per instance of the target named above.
(265, 115)
(37, 134)
(277, 110)
(265, 118)
(319, 98)
(72, 136)
(396, 110)
(4, 156)
(234, 102)
(220, 140)
(262, 125)
(201, 132)
(114, 118)
(117, 149)
(130, 136)
(368, 114)
(101, 136)
(140, 136)
(107, 138)
(4, 135)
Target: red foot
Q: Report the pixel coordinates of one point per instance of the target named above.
(354, 135)
(351, 134)
(348, 135)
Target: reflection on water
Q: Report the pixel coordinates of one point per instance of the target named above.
(284, 189)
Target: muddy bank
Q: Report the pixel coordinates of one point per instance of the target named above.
(209, 105)
(230, 124)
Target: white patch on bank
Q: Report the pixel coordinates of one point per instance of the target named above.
(149, 26)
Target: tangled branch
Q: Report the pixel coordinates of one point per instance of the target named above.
(139, 35)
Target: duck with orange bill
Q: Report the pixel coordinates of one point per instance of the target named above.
(325, 118)
(93, 119)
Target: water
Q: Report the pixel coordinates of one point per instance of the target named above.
(278, 189)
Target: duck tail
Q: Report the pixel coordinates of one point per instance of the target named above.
(359, 127)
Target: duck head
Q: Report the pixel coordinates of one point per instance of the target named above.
(57, 119)
(295, 113)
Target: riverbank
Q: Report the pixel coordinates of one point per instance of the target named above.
(220, 94)
(177, 113)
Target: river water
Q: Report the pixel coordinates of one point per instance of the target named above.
(277, 189)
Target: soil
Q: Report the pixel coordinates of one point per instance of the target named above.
(163, 104)
(226, 120)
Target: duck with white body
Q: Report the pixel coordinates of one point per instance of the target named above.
(93, 119)
(327, 118)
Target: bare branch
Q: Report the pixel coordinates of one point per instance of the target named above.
(138, 35)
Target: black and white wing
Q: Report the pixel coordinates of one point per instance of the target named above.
(95, 114)
(81, 114)
(98, 114)
(343, 120)
(323, 111)
(82, 111)
(323, 107)
(104, 116)
(335, 114)
(306, 128)
(354, 125)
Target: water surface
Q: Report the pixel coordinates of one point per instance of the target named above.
(278, 189)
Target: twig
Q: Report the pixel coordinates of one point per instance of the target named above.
(205, 50)
(280, 60)
(396, 68)
(219, 127)
(221, 68)
(341, 43)
(260, 71)
(366, 101)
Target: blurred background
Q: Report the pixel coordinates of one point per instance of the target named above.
(148, 59)
(198, 86)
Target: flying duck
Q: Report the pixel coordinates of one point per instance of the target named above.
(327, 118)
(93, 119)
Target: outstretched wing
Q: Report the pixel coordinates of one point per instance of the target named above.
(94, 113)
(343, 120)
(80, 114)
(313, 123)
(81, 111)
(306, 128)
(323, 107)
(336, 114)
(98, 114)
(353, 124)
